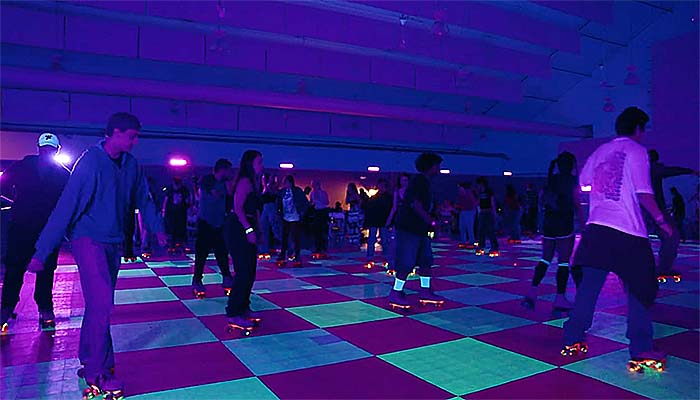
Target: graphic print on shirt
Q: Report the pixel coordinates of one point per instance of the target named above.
(608, 176)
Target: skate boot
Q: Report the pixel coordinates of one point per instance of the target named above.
(198, 288)
(242, 323)
(397, 299)
(296, 261)
(281, 261)
(146, 254)
(5, 316)
(575, 349)
(648, 361)
(227, 284)
(370, 264)
(494, 253)
(390, 272)
(479, 252)
(462, 246)
(561, 303)
(107, 386)
(663, 277)
(252, 316)
(47, 320)
(426, 296)
(530, 298)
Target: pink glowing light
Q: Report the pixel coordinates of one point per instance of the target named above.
(177, 162)
(586, 188)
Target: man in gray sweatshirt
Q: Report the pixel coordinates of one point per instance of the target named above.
(105, 184)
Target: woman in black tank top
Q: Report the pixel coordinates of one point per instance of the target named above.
(242, 231)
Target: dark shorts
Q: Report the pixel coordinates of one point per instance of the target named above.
(556, 226)
(412, 250)
(629, 257)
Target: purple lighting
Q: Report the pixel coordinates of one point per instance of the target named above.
(177, 162)
(286, 165)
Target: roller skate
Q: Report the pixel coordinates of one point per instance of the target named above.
(264, 256)
(479, 252)
(281, 261)
(530, 299)
(146, 255)
(575, 349)
(561, 303)
(198, 288)
(462, 246)
(296, 261)
(242, 323)
(227, 284)
(648, 361)
(107, 386)
(390, 272)
(426, 296)
(397, 299)
(319, 256)
(494, 253)
(5, 316)
(472, 246)
(369, 264)
(172, 251)
(514, 241)
(129, 259)
(47, 320)
(663, 277)
(253, 317)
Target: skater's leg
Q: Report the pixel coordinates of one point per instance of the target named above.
(201, 248)
(240, 251)
(548, 247)
(371, 240)
(43, 287)
(286, 228)
(463, 226)
(564, 248)
(384, 240)
(98, 266)
(20, 247)
(471, 218)
(252, 265)
(424, 261)
(406, 256)
(668, 251)
(581, 317)
(295, 230)
(482, 230)
(640, 331)
(220, 251)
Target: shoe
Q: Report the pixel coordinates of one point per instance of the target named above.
(561, 303)
(426, 296)
(397, 299)
(574, 349)
(227, 284)
(530, 298)
(47, 320)
(5, 316)
(198, 288)
(108, 386)
(241, 323)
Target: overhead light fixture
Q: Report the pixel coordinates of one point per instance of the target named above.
(445, 171)
(286, 165)
(507, 173)
(62, 158)
(373, 168)
(586, 188)
(362, 178)
(177, 162)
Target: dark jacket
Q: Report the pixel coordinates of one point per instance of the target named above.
(377, 209)
(301, 203)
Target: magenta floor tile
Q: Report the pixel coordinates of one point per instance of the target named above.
(443, 284)
(446, 261)
(273, 321)
(138, 265)
(176, 367)
(358, 268)
(269, 274)
(555, 384)
(447, 271)
(387, 336)
(515, 273)
(138, 283)
(368, 378)
(668, 314)
(300, 298)
(185, 292)
(684, 345)
(145, 312)
(337, 280)
(37, 347)
(544, 342)
(522, 287)
(417, 308)
(541, 313)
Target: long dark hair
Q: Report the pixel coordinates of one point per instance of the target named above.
(246, 170)
(398, 180)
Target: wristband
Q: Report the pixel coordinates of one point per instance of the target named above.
(249, 230)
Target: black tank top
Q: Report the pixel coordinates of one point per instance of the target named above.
(485, 199)
(252, 205)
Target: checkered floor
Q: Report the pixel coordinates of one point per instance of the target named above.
(327, 333)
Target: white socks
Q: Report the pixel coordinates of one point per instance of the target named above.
(425, 281)
(398, 284)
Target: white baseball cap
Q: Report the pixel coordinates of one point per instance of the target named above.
(49, 139)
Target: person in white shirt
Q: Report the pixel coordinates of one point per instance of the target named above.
(320, 202)
(615, 239)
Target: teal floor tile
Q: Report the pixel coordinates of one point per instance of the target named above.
(478, 279)
(136, 273)
(240, 389)
(157, 334)
(476, 296)
(217, 305)
(345, 313)
(367, 291)
(466, 365)
(160, 264)
(282, 285)
(614, 327)
(293, 351)
(480, 267)
(145, 295)
(186, 280)
(689, 300)
(678, 381)
(471, 321)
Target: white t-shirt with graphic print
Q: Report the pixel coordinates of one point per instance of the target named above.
(616, 172)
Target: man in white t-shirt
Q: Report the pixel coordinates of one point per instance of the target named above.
(615, 239)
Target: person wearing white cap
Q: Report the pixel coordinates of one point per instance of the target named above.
(34, 183)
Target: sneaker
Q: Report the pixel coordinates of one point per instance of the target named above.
(398, 299)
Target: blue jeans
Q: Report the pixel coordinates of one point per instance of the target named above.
(98, 266)
(412, 250)
(372, 239)
(512, 222)
(639, 328)
(466, 226)
(268, 224)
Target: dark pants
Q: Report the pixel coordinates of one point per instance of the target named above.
(20, 248)
(176, 226)
(412, 250)
(487, 229)
(98, 266)
(245, 259)
(669, 249)
(639, 327)
(129, 230)
(294, 229)
(372, 239)
(208, 238)
(563, 247)
(320, 230)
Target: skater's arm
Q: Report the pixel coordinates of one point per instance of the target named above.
(641, 182)
(75, 198)
(146, 205)
(393, 208)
